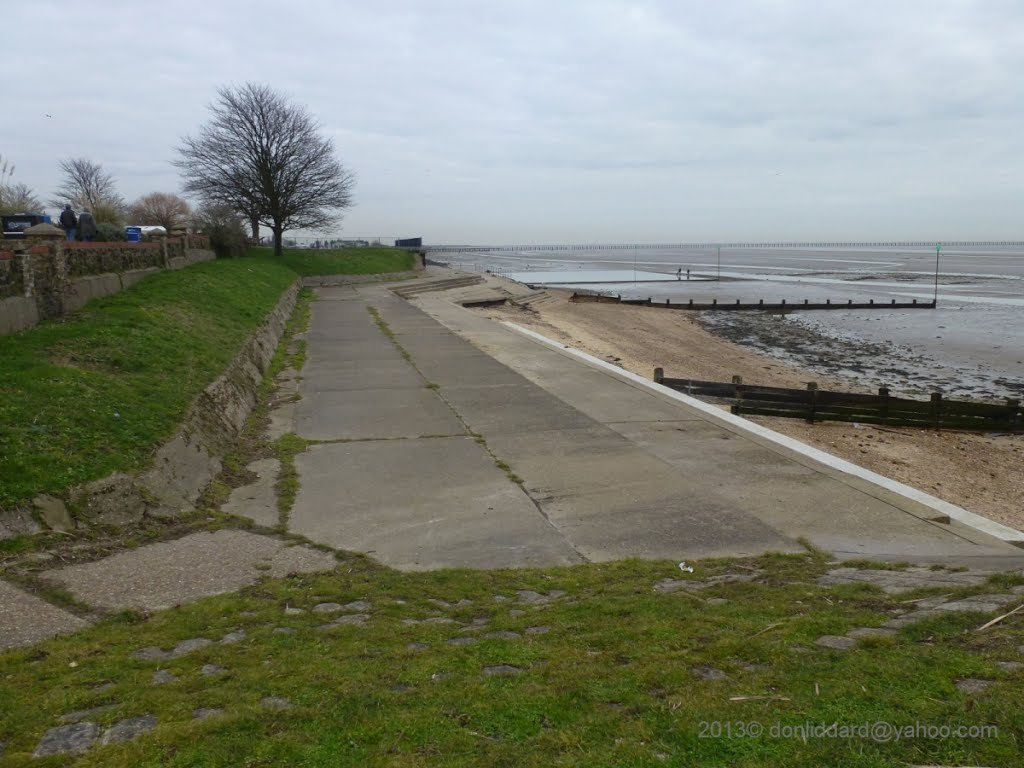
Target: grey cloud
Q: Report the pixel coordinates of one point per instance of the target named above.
(539, 121)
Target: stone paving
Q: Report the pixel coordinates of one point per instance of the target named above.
(894, 582)
(78, 731)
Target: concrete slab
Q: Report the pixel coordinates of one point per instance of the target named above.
(375, 349)
(348, 333)
(26, 619)
(373, 414)
(332, 375)
(480, 371)
(159, 576)
(422, 504)
(607, 399)
(257, 501)
(613, 500)
(448, 348)
(798, 501)
(513, 408)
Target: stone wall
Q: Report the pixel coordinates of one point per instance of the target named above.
(44, 277)
(98, 258)
(12, 282)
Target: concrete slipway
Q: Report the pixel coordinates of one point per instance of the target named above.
(446, 439)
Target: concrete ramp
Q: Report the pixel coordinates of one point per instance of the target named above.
(449, 440)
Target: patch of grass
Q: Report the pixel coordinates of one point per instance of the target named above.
(95, 392)
(345, 261)
(386, 330)
(286, 448)
(616, 680)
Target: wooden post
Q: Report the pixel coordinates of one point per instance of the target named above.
(812, 398)
(659, 374)
(738, 404)
(883, 392)
(937, 409)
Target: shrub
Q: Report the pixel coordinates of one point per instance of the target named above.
(108, 212)
(109, 233)
(225, 230)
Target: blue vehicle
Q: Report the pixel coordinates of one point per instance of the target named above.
(15, 224)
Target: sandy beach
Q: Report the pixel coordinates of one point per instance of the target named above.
(981, 473)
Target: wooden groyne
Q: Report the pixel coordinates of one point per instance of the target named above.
(813, 404)
(760, 305)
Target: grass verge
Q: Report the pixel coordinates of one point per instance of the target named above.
(609, 673)
(96, 392)
(345, 261)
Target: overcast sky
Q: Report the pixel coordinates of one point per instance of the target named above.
(486, 121)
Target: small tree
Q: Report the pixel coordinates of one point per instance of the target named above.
(87, 186)
(224, 227)
(265, 158)
(160, 208)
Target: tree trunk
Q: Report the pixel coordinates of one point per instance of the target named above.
(278, 247)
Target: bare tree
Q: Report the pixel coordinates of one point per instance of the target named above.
(19, 198)
(87, 185)
(162, 208)
(265, 157)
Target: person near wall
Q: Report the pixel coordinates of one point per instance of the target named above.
(87, 226)
(69, 222)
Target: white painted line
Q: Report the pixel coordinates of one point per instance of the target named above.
(983, 524)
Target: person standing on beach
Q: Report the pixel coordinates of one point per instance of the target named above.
(69, 222)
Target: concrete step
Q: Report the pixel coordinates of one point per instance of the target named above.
(438, 285)
(529, 299)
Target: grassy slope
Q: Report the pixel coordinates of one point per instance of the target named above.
(612, 682)
(348, 261)
(96, 392)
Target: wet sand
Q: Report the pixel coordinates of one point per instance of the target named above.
(981, 473)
